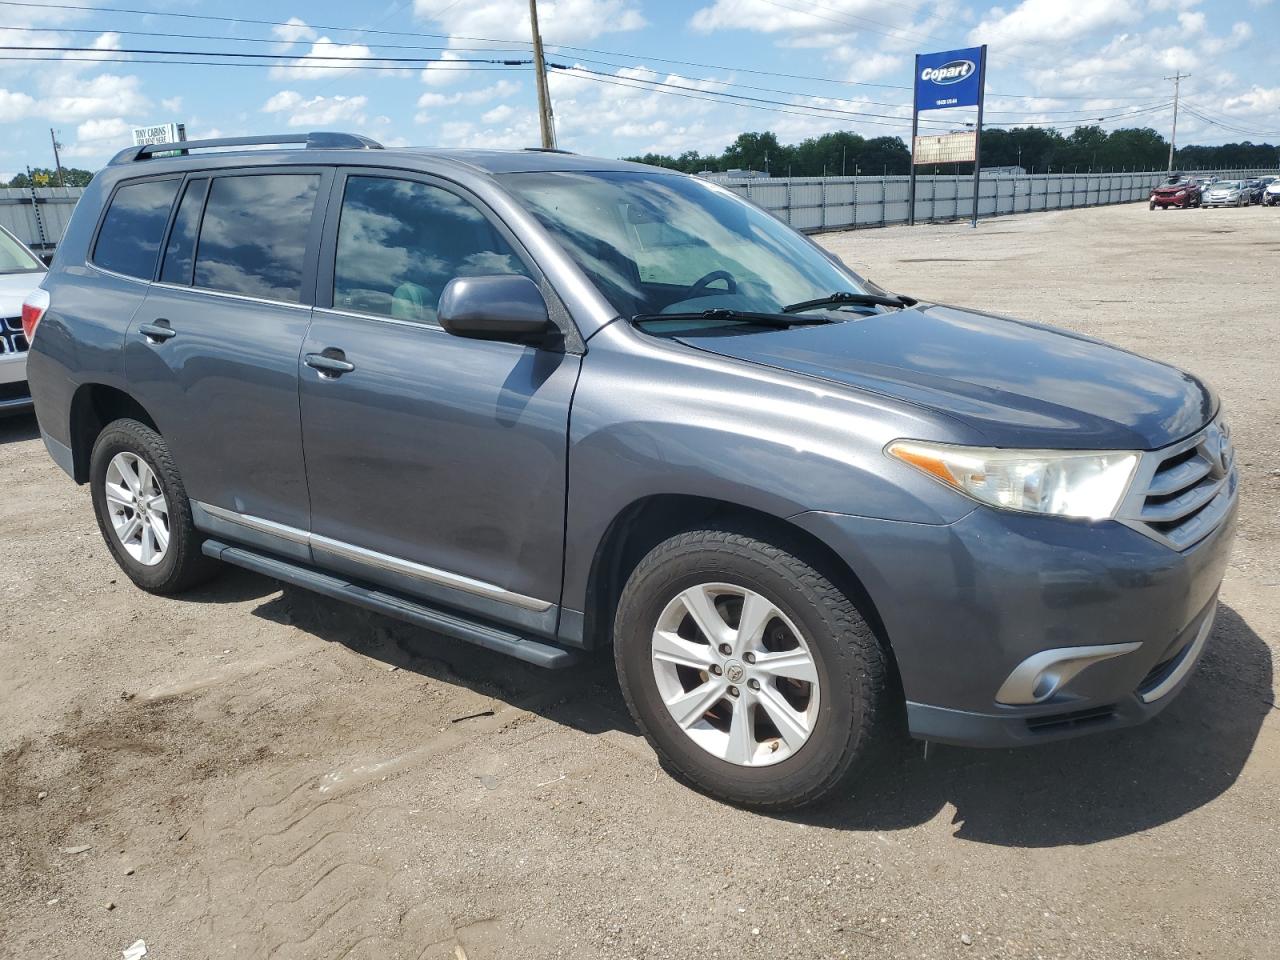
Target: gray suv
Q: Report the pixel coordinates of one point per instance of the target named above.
(549, 404)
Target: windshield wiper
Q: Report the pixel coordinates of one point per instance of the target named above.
(868, 299)
(780, 320)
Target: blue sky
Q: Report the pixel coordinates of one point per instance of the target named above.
(849, 64)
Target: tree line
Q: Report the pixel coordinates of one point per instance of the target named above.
(47, 177)
(1035, 149)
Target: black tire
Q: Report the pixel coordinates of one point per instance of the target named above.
(183, 565)
(854, 707)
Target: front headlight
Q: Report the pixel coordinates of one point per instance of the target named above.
(1064, 483)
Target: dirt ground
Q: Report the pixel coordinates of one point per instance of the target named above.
(256, 773)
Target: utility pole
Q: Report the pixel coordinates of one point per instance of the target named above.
(545, 120)
(57, 163)
(1177, 79)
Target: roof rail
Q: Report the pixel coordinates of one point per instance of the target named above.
(316, 140)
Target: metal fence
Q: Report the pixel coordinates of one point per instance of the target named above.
(814, 204)
(38, 216)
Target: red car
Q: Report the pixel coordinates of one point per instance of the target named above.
(1176, 192)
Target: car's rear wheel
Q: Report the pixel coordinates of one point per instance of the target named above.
(751, 674)
(143, 511)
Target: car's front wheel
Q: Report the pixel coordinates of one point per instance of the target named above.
(143, 511)
(750, 673)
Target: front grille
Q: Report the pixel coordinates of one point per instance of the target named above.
(1182, 493)
(12, 339)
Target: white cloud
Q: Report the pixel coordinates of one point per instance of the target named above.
(432, 100)
(561, 21)
(1263, 102)
(171, 104)
(440, 74)
(100, 136)
(316, 111)
(816, 25)
(101, 96)
(294, 30)
(1052, 22)
(14, 105)
(499, 114)
(1241, 33)
(322, 61)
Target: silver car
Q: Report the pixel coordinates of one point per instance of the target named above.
(20, 272)
(1226, 193)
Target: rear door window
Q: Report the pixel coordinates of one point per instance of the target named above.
(253, 239)
(133, 229)
(400, 242)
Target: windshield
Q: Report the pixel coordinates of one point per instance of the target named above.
(661, 243)
(14, 257)
(1227, 185)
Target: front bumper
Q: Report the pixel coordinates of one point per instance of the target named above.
(965, 604)
(1183, 201)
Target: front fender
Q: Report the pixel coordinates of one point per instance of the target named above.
(655, 417)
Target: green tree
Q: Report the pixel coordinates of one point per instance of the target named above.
(44, 176)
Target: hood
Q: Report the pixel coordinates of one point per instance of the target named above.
(1018, 384)
(1171, 188)
(14, 288)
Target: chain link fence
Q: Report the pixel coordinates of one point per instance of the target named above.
(815, 204)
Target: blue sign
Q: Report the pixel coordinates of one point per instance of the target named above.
(952, 78)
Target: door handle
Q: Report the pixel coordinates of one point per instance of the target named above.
(331, 363)
(157, 332)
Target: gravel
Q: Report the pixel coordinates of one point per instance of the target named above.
(299, 799)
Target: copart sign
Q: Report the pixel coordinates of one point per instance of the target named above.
(951, 78)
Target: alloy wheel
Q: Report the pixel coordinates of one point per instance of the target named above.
(735, 674)
(138, 509)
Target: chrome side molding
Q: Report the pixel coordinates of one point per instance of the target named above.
(373, 558)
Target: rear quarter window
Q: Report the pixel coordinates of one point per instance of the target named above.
(133, 228)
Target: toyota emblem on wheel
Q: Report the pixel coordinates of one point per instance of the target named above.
(734, 672)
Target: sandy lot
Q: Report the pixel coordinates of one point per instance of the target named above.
(257, 773)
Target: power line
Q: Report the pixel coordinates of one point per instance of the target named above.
(610, 63)
(760, 103)
(275, 40)
(525, 43)
(1230, 127)
(293, 59)
(355, 65)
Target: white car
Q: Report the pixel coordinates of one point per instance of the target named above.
(1225, 193)
(1271, 193)
(20, 272)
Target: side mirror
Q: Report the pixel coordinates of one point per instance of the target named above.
(509, 308)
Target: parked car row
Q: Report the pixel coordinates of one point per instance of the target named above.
(1180, 190)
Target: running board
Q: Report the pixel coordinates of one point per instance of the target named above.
(491, 638)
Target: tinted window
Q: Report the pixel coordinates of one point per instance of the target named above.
(254, 236)
(129, 241)
(179, 253)
(400, 242)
